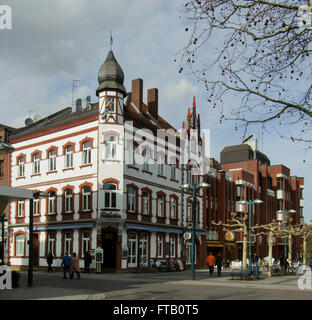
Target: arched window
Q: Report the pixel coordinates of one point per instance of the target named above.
(52, 160)
(110, 195)
(173, 207)
(160, 245)
(131, 199)
(160, 205)
(69, 151)
(145, 202)
(21, 166)
(86, 152)
(36, 163)
(110, 146)
(173, 241)
(86, 198)
(51, 202)
(68, 200)
(20, 245)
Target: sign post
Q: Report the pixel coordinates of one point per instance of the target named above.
(99, 257)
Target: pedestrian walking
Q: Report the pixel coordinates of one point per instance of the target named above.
(50, 261)
(211, 260)
(66, 265)
(74, 266)
(219, 263)
(87, 261)
(283, 265)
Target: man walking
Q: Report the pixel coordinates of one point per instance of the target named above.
(219, 263)
(211, 260)
(66, 265)
(50, 261)
(87, 261)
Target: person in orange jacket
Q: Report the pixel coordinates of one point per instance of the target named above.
(211, 260)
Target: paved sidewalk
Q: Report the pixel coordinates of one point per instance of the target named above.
(154, 285)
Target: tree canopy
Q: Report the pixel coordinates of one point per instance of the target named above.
(258, 52)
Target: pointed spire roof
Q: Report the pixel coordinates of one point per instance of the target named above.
(110, 75)
(194, 102)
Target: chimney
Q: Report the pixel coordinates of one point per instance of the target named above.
(152, 102)
(137, 93)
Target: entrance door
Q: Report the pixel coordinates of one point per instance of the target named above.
(36, 250)
(109, 247)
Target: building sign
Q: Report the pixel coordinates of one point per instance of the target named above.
(99, 255)
(229, 236)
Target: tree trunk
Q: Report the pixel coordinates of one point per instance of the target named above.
(304, 250)
(270, 240)
(244, 262)
(289, 247)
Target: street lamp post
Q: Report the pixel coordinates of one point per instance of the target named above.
(194, 188)
(285, 213)
(36, 195)
(250, 203)
(5, 148)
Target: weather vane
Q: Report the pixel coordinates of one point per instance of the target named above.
(111, 40)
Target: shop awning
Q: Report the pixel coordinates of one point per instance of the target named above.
(150, 228)
(63, 227)
(214, 244)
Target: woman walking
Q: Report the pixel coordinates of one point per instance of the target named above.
(74, 266)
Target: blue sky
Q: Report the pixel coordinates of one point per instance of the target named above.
(54, 42)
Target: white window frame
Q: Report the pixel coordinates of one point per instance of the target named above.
(143, 248)
(188, 252)
(86, 152)
(36, 207)
(111, 147)
(145, 202)
(189, 210)
(21, 167)
(160, 246)
(85, 245)
(20, 245)
(173, 246)
(52, 160)
(68, 200)
(36, 163)
(131, 200)
(145, 160)
(112, 195)
(133, 250)
(160, 206)
(51, 243)
(20, 209)
(67, 242)
(86, 199)
(69, 156)
(173, 207)
(52, 203)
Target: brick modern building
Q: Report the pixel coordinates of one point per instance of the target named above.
(255, 178)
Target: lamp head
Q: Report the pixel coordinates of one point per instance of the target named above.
(186, 187)
(258, 201)
(204, 185)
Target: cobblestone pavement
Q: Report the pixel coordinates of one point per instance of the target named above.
(156, 286)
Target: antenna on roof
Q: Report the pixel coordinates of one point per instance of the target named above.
(75, 85)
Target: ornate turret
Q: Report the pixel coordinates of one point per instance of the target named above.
(110, 75)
